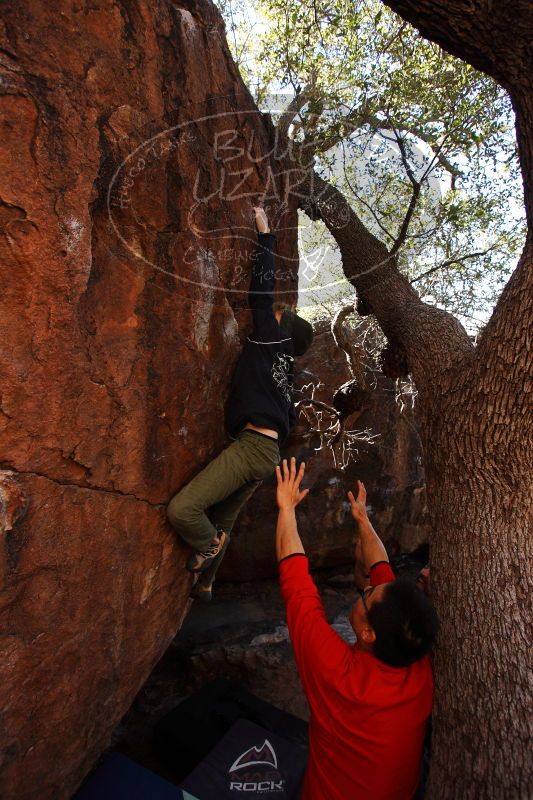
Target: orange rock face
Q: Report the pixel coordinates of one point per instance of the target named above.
(130, 157)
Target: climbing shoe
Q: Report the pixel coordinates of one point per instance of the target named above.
(202, 593)
(199, 562)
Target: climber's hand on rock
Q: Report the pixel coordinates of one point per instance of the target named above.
(358, 504)
(261, 220)
(288, 493)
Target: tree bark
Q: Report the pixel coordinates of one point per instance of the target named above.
(476, 423)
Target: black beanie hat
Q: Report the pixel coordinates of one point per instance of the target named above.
(300, 331)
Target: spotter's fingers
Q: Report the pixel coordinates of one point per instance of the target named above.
(361, 492)
(302, 494)
(300, 475)
(293, 468)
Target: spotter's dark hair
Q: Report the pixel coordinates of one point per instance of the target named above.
(405, 623)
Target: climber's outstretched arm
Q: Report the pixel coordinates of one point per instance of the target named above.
(262, 285)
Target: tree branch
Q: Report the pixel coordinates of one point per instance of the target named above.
(433, 340)
(493, 37)
(454, 260)
(363, 201)
(294, 107)
(417, 185)
(359, 117)
(353, 351)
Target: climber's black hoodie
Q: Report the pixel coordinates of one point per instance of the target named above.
(262, 385)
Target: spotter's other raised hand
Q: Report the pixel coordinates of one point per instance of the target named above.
(358, 504)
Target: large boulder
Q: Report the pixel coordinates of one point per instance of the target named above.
(126, 229)
(390, 465)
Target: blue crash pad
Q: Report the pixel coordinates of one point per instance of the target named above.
(119, 778)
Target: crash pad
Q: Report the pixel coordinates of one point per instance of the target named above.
(249, 762)
(119, 778)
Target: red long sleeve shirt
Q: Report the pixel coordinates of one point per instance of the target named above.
(368, 720)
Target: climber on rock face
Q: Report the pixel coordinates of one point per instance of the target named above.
(370, 702)
(259, 414)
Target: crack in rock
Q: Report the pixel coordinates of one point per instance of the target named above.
(78, 486)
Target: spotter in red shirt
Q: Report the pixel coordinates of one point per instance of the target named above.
(368, 719)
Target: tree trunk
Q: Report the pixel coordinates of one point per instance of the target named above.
(475, 416)
(477, 448)
(476, 423)
(478, 461)
(481, 559)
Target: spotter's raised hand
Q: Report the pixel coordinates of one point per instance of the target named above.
(288, 493)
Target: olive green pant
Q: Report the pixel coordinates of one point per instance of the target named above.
(212, 500)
